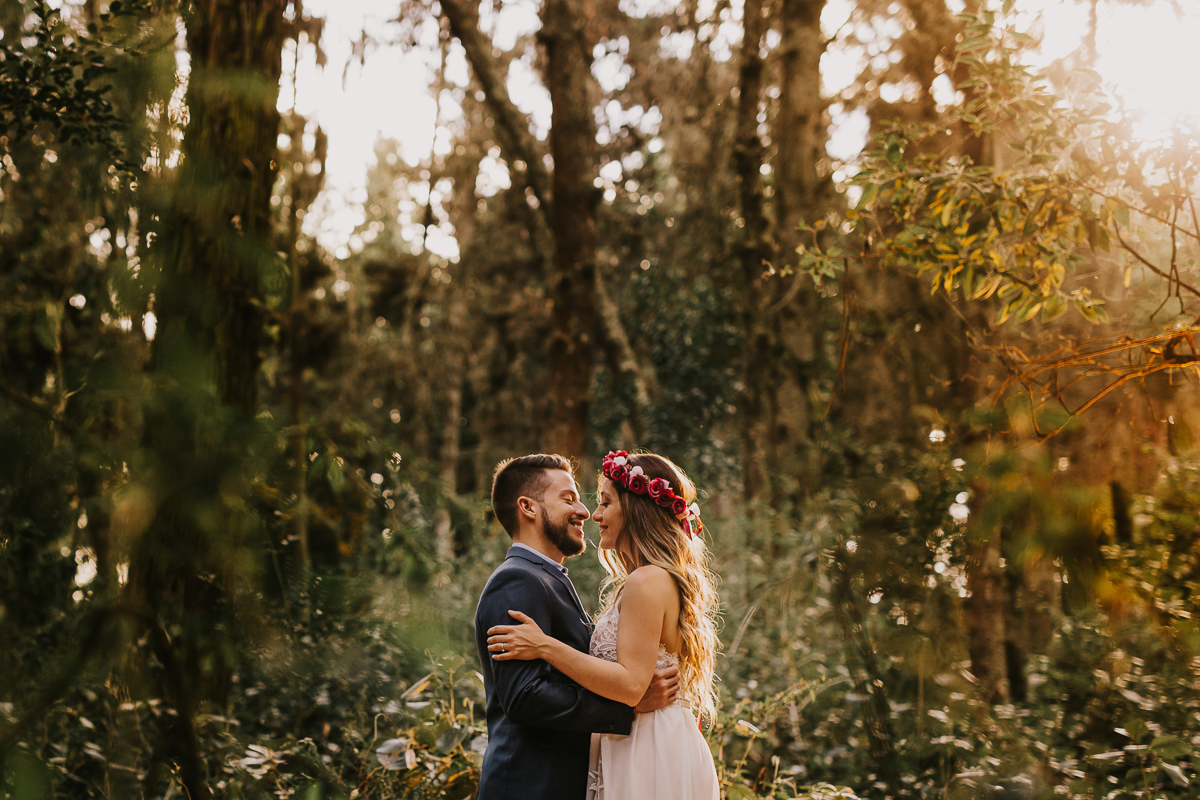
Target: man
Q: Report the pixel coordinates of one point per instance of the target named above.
(539, 721)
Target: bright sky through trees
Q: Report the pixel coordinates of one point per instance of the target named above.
(1144, 53)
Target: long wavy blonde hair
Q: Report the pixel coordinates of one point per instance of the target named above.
(651, 534)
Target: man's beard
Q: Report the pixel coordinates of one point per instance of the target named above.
(560, 536)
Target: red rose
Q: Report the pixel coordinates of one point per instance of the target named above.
(679, 507)
(617, 474)
(657, 487)
(638, 484)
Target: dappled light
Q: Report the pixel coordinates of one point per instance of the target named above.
(907, 289)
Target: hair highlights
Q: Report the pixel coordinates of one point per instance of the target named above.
(651, 534)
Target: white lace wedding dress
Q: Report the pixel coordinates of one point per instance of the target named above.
(664, 757)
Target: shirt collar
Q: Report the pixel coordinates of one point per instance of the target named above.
(543, 557)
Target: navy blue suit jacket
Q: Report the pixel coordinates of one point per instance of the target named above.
(539, 721)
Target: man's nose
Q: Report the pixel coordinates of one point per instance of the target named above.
(583, 510)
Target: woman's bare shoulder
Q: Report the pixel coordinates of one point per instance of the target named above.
(650, 581)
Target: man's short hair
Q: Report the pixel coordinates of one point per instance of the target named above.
(522, 477)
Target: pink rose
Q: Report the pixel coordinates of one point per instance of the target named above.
(638, 484)
(657, 487)
(617, 474)
(679, 507)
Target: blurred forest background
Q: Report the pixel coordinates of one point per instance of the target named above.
(940, 396)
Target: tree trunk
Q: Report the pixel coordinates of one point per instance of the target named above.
(512, 129)
(788, 327)
(754, 250)
(455, 355)
(573, 224)
(213, 245)
(522, 151)
(297, 439)
(210, 293)
(984, 612)
(801, 192)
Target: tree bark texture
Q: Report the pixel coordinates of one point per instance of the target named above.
(785, 331)
(984, 611)
(210, 292)
(801, 192)
(455, 352)
(512, 129)
(304, 190)
(573, 224)
(754, 249)
(214, 245)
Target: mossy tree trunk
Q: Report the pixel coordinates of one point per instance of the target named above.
(212, 251)
(573, 224)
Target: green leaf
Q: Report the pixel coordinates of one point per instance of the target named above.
(452, 738)
(1136, 730)
(1031, 220)
(870, 192)
(1053, 308)
(336, 477)
(1007, 309)
(26, 776)
(1028, 313)
(318, 468)
(1120, 212)
(45, 327)
(1170, 748)
(895, 151)
(453, 663)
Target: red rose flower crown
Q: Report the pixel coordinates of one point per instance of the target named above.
(633, 479)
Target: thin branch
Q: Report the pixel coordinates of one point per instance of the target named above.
(1141, 211)
(1129, 248)
(1107, 390)
(512, 127)
(32, 405)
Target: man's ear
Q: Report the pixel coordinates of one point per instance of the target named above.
(525, 508)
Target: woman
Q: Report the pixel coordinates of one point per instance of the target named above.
(660, 608)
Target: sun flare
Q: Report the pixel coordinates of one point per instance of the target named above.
(1144, 53)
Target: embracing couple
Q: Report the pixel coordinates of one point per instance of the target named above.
(603, 711)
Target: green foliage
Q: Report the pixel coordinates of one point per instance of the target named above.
(56, 80)
(306, 631)
(1038, 187)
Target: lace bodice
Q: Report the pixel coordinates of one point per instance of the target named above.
(664, 756)
(604, 641)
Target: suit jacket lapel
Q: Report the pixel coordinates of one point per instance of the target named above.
(558, 575)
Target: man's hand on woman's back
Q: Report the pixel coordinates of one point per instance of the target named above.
(663, 689)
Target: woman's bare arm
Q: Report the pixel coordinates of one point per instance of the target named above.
(645, 599)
